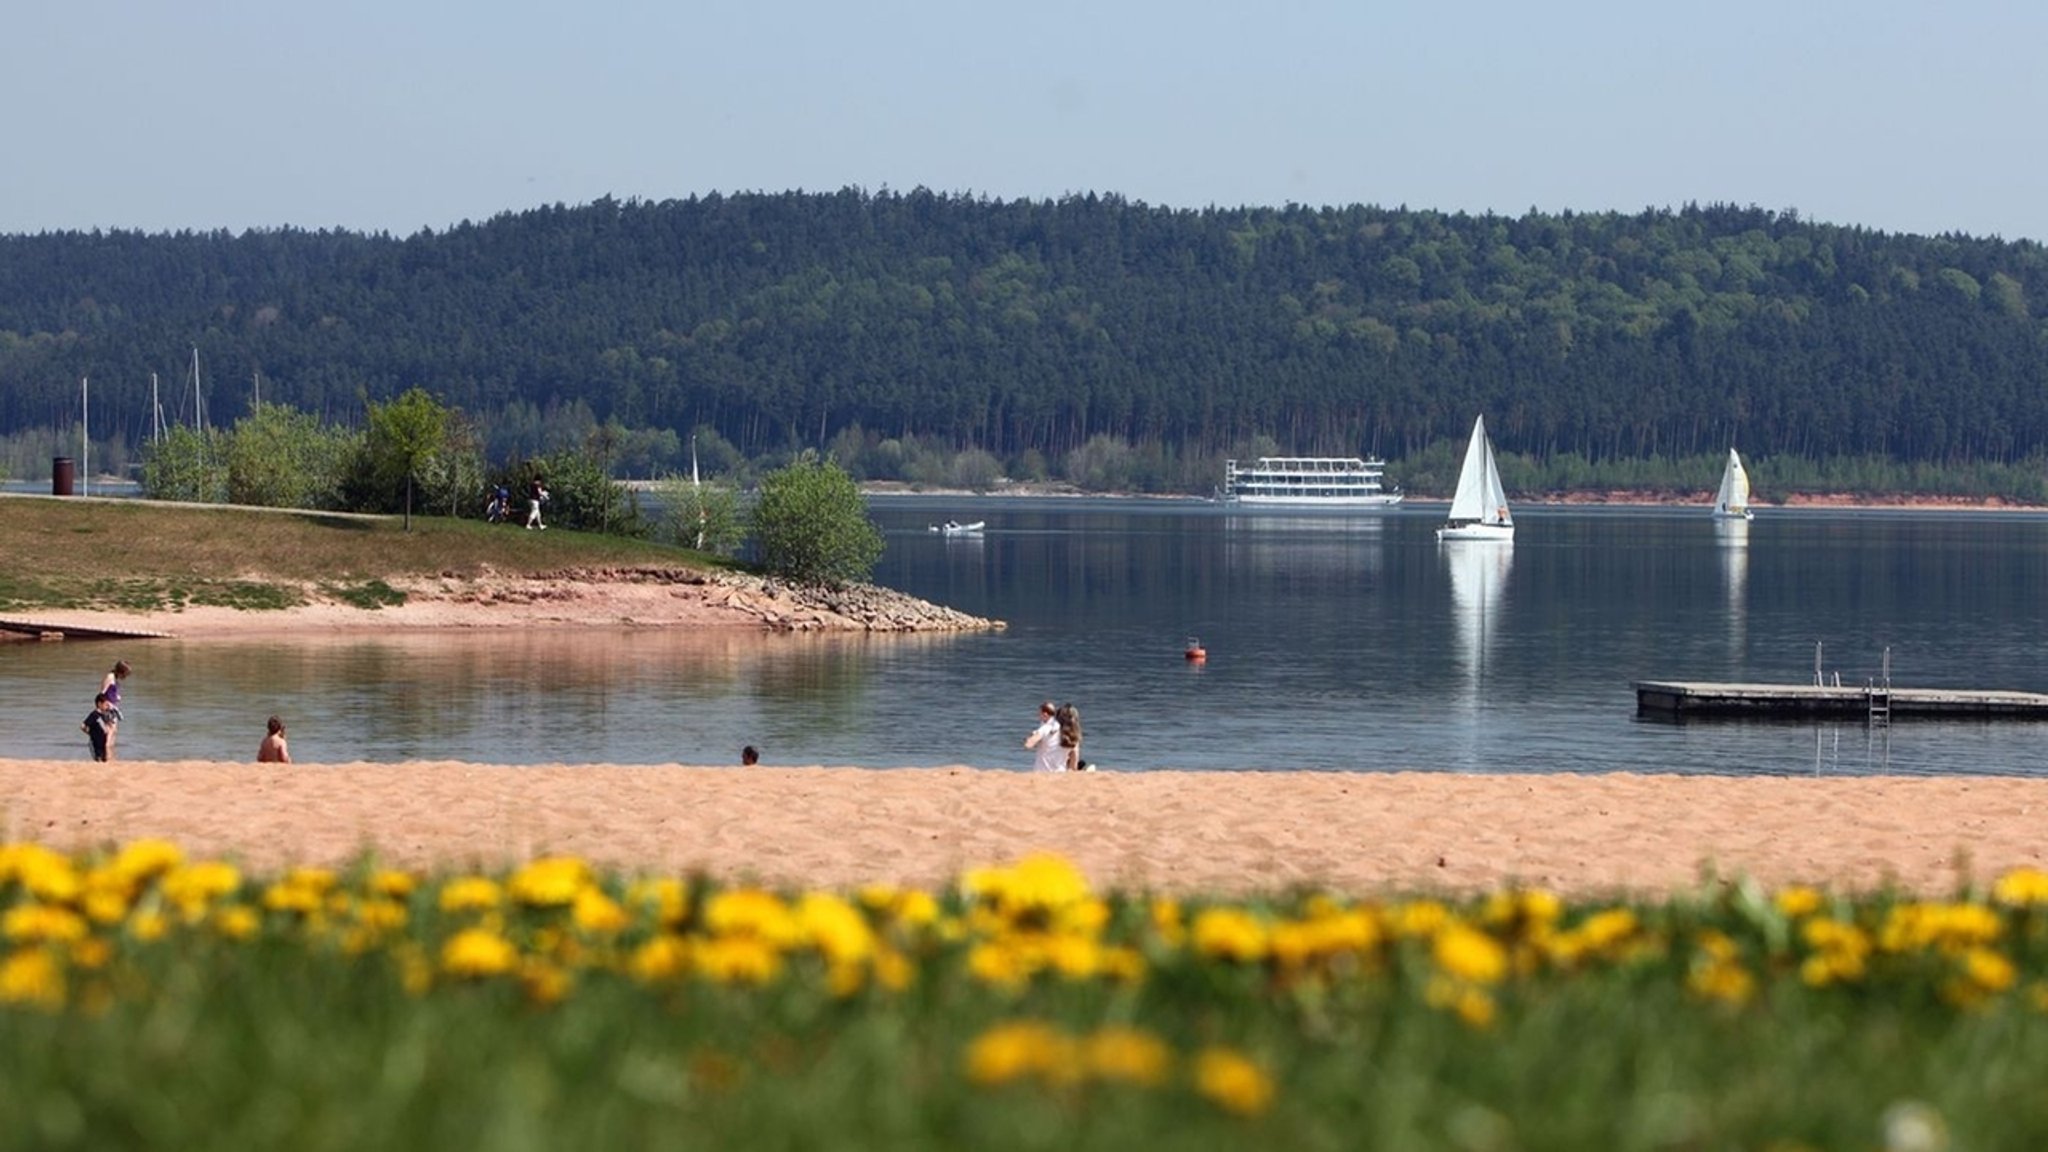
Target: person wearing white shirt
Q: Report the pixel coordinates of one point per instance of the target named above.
(1046, 741)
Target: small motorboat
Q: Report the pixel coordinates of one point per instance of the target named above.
(956, 528)
(1194, 652)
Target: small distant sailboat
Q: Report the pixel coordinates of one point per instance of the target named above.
(1479, 509)
(1732, 502)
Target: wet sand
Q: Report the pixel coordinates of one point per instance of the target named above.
(1173, 831)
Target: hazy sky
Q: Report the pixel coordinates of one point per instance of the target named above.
(379, 115)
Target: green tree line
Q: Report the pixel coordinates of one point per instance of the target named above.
(1029, 330)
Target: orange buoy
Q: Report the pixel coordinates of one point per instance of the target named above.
(1195, 652)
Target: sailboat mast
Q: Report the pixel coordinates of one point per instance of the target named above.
(156, 412)
(84, 437)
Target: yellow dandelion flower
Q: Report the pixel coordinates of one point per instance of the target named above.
(140, 860)
(476, 953)
(1233, 1081)
(753, 912)
(662, 958)
(471, 894)
(1798, 901)
(148, 926)
(1124, 965)
(50, 876)
(1724, 981)
(664, 898)
(893, 971)
(745, 960)
(382, 915)
(596, 914)
(105, 905)
(835, 928)
(1469, 954)
(2021, 888)
(916, 909)
(285, 896)
(1417, 918)
(550, 882)
(999, 964)
(43, 923)
(1989, 970)
(191, 887)
(1127, 1056)
(1016, 1049)
(1230, 933)
(32, 977)
(391, 883)
(236, 921)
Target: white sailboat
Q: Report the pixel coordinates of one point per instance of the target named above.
(1732, 502)
(1479, 510)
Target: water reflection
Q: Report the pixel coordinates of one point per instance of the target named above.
(1733, 537)
(1264, 543)
(1479, 581)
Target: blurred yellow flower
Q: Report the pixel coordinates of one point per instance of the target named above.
(1469, 1002)
(550, 882)
(1798, 901)
(42, 923)
(544, 983)
(753, 912)
(191, 887)
(33, 978)
(141, 860)
(1232, 1081)
(236, 921)
(738, 960)
(1016, 1049)
(665, 898)
(474, 953)
(1230, 933)
(664, 957)
(596, 914)
(835, 928)
(1469, 954)
(1127, 1056)
(471, 894)
(1989, 970)
(392, 883)
(2021, 888)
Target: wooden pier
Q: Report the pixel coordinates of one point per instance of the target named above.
(56, 630)
(1877, 703)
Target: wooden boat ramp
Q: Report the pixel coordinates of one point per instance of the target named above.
(56, 630)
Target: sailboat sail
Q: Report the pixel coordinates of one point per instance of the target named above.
(1733, 499)
(1480, 497)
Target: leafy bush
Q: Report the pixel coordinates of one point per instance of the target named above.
(812, 526)
(705, 517)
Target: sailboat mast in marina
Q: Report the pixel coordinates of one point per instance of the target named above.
(1479, 509)
(1732, 501)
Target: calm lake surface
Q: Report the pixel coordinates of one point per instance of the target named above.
(1351, 643)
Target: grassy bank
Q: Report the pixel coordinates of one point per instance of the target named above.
(147, 1001)
(136, 555)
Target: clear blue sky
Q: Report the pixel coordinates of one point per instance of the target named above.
(379, 115)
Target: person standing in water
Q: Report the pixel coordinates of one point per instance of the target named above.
(274, 750)
(110, 687)
(99, 727)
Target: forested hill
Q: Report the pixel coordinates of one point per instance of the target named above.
(783, 319)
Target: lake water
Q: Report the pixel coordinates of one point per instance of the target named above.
(1351, 643)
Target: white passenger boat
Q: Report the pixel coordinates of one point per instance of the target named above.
(1732, 501)
(1479, 510)
(955, 528)
(1308, 482)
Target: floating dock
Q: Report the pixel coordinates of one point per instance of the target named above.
(1877, 703)
(55, 630)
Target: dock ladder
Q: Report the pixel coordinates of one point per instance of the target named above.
(1879, 693)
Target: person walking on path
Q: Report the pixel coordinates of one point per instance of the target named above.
(99, 727)
(536, 495)
(274, 750)
(1045, 740)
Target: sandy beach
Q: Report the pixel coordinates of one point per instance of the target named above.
(1172, 831)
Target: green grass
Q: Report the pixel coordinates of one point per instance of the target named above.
(137, 555)
(309, 1034)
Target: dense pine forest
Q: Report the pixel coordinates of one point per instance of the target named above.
(1029, 329)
